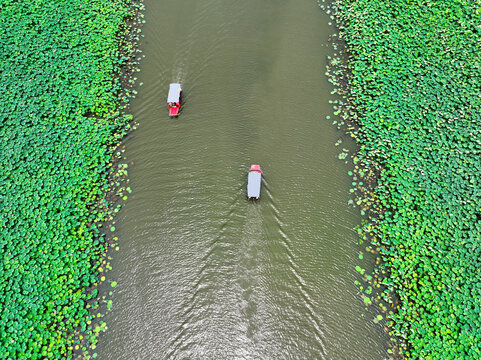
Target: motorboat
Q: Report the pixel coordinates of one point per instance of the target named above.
(173, 100)
(254, 180)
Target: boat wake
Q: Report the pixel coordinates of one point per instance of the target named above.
(302, 289)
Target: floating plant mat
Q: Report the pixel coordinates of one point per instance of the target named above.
(59, 123)
(414, 93)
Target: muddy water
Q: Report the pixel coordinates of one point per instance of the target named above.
(202, 273)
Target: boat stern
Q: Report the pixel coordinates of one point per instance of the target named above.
(174, 110)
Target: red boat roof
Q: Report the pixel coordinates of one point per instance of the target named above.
(255, 167)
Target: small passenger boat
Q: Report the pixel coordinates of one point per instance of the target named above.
(254, 182)
(173, 100)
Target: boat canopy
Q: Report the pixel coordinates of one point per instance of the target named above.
(254, 185)
(174, 93)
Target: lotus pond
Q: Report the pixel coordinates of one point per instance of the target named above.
(60, 120)
(413, 74)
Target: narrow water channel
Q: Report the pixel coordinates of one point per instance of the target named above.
(203, 273)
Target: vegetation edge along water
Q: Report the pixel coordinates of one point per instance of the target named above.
(410, 80)
(66, 80)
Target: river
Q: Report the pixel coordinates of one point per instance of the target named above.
(202, 272)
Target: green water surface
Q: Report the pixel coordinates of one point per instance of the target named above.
(203, 273)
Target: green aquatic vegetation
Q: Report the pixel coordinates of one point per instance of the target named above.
(413, 76)
(60, 91)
